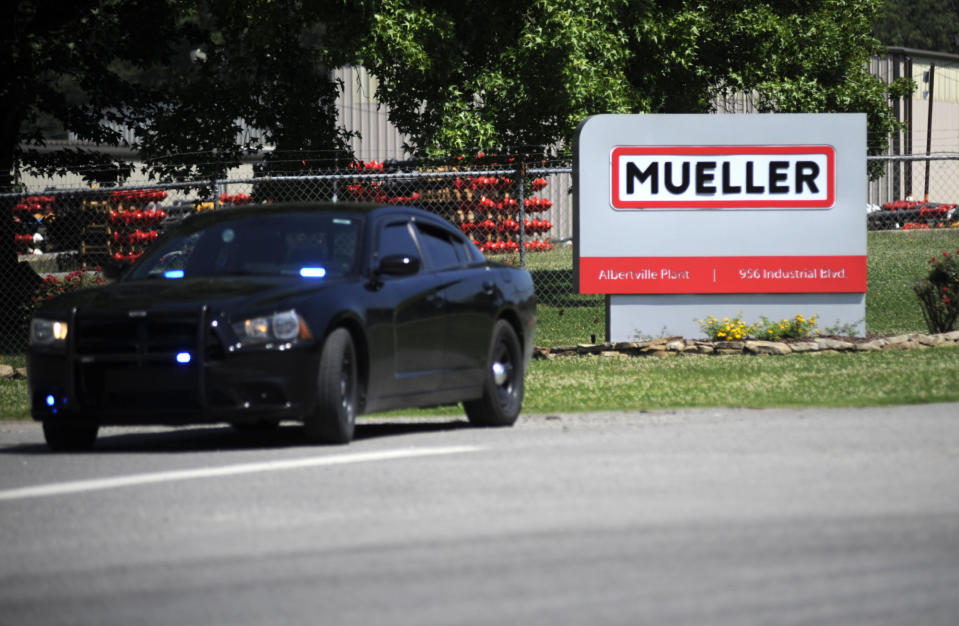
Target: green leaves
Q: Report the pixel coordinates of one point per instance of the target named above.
(528, 72)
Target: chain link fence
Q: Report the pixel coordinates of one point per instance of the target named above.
(913, 192)
(519, 214)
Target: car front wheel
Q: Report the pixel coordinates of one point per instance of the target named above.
(69, 437)
(334, 417)
(503, 387)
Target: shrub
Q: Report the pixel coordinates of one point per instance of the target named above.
(53, 286)
(735, 329)
(939, 293)
(794, 328)
(726, 329)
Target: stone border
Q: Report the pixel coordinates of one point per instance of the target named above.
(673, 346)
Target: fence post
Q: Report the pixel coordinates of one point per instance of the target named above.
(932, 79)
(521, 200)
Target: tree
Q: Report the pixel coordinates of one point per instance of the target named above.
(463, 77)
(257, 64)
(922, 24)
(66, 68)
(184, 76)
(459, 78)
(60, 70)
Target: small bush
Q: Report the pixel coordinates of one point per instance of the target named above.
(53, 286)
(726, 329)
(938, 293)
(795, 328)
(736, 329)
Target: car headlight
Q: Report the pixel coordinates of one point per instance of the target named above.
(48, 333)
(284, 327)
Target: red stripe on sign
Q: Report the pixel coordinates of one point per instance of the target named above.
(750, 274)
(722, 184)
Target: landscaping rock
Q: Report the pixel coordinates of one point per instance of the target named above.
(896, 340)
(767, 347)
(727, 351)
(590, 348)
(905, 345)
(825, 343)
(613, 354)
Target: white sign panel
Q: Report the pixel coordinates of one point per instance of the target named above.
(674, 211)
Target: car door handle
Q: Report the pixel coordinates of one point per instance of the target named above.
(436, 300)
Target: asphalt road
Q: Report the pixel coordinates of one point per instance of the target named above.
(713, 517)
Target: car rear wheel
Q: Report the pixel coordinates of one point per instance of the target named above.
(334, 418)
(69, 437)
(259, 426)
(503, 388)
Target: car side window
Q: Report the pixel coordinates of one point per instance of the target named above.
(396, 238)
(439, 248)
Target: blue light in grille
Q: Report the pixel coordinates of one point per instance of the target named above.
(173, 274)
(50, 400)
(183, 358)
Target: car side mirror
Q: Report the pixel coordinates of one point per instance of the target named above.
(398, 265)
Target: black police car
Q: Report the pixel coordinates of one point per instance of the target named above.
(258, 314)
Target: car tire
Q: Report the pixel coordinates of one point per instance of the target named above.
(503, 388)
(334, 417)
(259, 426)
(69, 437)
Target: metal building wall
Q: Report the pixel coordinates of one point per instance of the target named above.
(358, 111)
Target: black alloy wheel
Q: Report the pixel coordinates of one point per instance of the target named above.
(334, 418)
(503, 388)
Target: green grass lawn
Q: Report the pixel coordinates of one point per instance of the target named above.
(896, 261)
(845, 379)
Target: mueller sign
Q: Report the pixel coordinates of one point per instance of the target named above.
(723, 177)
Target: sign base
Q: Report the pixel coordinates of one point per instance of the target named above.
(641, 317)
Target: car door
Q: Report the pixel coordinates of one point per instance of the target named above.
(417, 317)
(471, 299)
